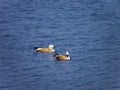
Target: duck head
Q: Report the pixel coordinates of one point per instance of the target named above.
(51, 46)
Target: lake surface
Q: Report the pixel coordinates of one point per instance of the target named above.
(88, 29)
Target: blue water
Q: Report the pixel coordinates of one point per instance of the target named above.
(88, 29)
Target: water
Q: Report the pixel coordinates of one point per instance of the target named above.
(88, 29)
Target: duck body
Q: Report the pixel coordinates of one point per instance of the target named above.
(45, 50)
(50, 49)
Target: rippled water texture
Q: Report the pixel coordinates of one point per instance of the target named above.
(88, 29)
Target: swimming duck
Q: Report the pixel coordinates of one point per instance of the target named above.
(49, 49)
(65, 57)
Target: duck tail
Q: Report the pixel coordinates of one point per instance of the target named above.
(35, 48)
(55, 54)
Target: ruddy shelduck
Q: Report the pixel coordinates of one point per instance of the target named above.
(49, 49)
(61, 57)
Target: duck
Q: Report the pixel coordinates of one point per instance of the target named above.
(64, 57)
(49, 49)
